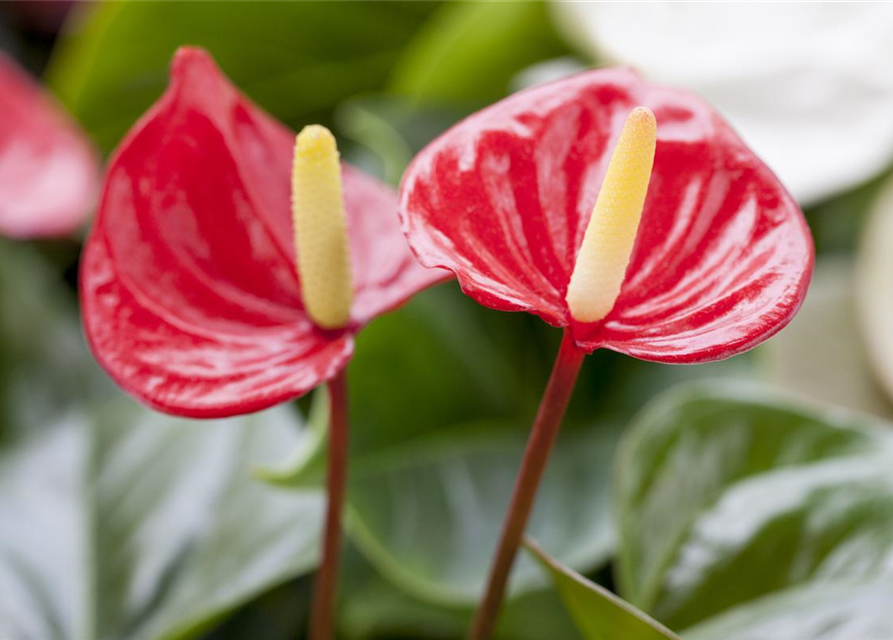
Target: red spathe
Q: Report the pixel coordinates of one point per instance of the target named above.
(189, 292)
(49, 172)
(723, 255)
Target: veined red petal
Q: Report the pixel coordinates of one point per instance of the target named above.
(723, 255)
(49, 172)
(190, 296)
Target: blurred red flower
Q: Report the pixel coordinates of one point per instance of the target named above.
(49, 172)
(189, 291)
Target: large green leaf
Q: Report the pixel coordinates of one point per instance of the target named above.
(727, 498)
(131, 524)
(468, 52)
(428, 513)
(598, 613)
(297, 59)
(844, 610)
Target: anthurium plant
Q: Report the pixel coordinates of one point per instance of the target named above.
(627, 214)
(218, 276)
(256, 378)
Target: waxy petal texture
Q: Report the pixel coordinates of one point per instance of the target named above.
(723, 255)
(49, 173)
(190, 295)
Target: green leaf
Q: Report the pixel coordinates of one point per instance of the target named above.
(841, 610)
(132, 524)
(838, 371)
(296, 59)
(42, 572)
(728, 496)
(427, 513)
(468, 52)
(598, 613)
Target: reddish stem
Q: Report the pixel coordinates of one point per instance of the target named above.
(322, 612)
(542, 437)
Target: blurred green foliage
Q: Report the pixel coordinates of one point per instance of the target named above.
(297, 59)
(469, 52)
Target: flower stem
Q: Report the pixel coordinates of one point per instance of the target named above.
(322, 612)
(542, 437)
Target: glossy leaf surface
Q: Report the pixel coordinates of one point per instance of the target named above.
(831, 611)
(598, 613)
(468, 476)
(49, 172)
(722, 258)
(729, 500)
(127, 523)
(190, 297)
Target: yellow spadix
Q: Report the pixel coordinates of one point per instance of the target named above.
(608, 243)
(320, 227)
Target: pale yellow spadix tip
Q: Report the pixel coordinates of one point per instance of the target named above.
(608, 243)
(320, 223)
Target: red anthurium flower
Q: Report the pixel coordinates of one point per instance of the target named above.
(190, 295)
(631, 215)
(49, 173)
(722, 257)
(231, 263)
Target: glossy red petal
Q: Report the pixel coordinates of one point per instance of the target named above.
(723, 255)
(190, 296)
(49, 173)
